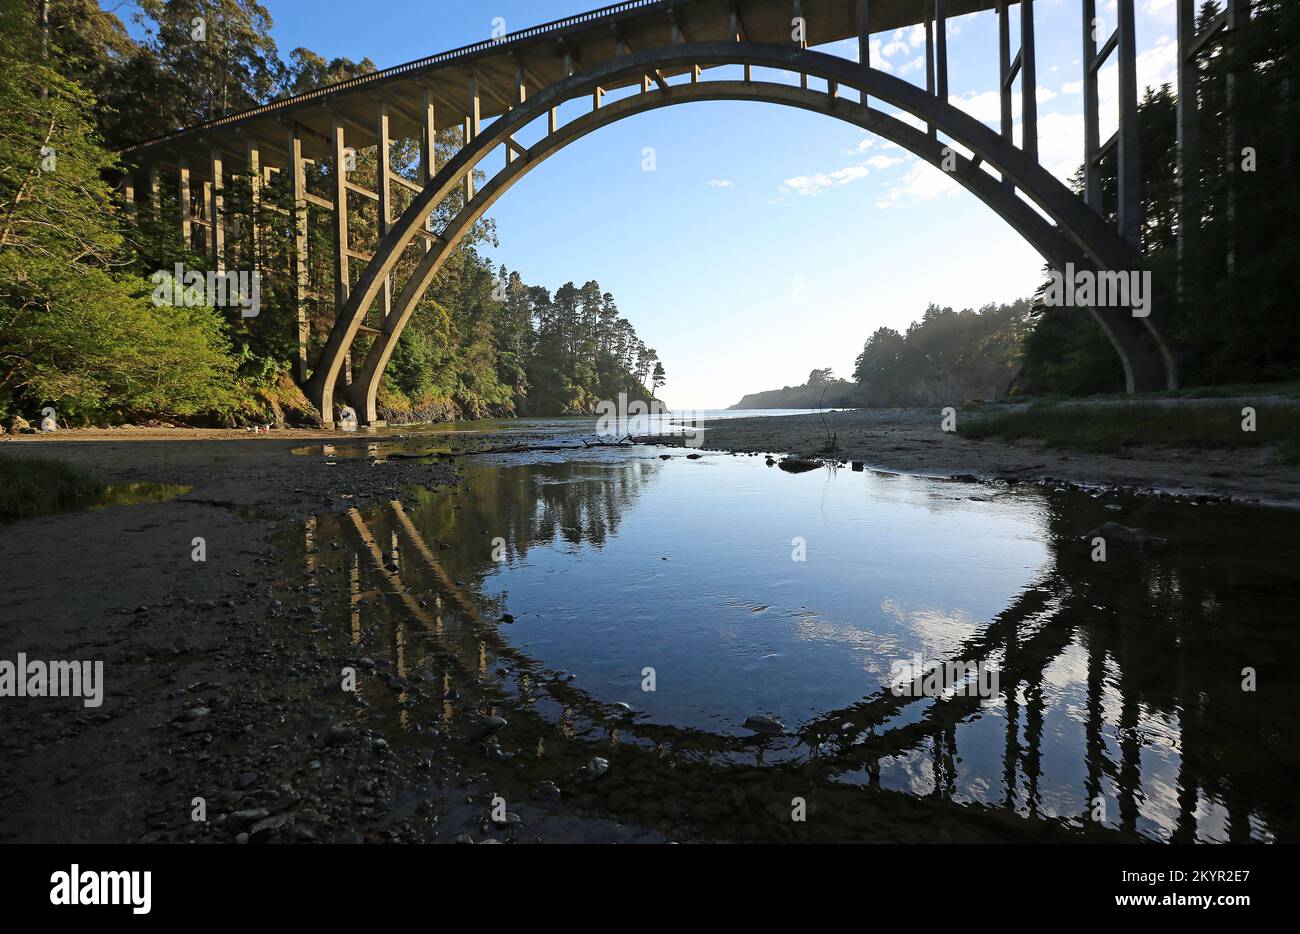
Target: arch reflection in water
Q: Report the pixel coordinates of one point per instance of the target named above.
(1120, 683)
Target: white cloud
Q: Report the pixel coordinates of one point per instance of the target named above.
(813, 185)
(1156, 66)
(914, 65)
(897, 45)
(860, 146)
(878, 59)
(923, 182)
(986, 106)
(1060, 143)
(880, 163)
(721, 183)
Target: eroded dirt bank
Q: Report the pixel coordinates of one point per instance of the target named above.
(911, 440)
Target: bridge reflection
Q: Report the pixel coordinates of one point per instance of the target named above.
(1120, 715)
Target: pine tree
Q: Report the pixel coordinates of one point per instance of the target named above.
(74, 331)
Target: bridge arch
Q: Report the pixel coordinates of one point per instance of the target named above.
(1066, 230)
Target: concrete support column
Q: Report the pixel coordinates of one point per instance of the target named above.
(1130, 195)
(256, 181)
(1238, 14)
(1005, 77)
(183, 199)
(928, 17)
(205, 209)
(301, 272)
(1188, 141)
(803, 39)
(864, 39)
(467, 136)
(1028, 82)
(383, 187)
(428, 145)
(472, 122)
(737, 31)
(941, 48)
(128, 196)
(864, 34)
(341, 276)
(428, 138)
(216, 210)
(1091, 109)
(520, 95)
(155, 192)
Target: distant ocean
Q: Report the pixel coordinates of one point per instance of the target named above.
(671, 423)
(710, 414)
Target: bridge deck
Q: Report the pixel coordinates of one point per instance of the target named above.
(587, 37)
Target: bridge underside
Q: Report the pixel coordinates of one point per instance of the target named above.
(541, 56)
(653, 48)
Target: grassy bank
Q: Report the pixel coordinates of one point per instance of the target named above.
(33, 485)
(1109, 428)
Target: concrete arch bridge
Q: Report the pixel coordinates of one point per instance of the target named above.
(645, 55)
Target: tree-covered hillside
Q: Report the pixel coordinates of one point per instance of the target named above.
(78, 328)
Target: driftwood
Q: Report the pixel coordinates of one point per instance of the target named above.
(629, 441)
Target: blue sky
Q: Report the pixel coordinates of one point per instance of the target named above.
(767, 241)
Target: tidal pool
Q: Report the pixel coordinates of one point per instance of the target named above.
(1146, 696)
